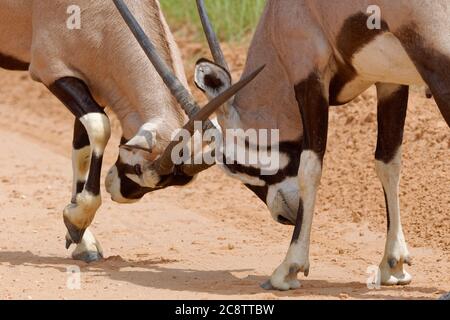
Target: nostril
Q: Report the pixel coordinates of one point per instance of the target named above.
(138, 170)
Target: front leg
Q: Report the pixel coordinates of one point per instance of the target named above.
(392, 106)
(92, 132)
(89, 248)
(312, 99)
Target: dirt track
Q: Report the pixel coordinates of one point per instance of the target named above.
(214, 239)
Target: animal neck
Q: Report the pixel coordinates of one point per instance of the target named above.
(140, 90)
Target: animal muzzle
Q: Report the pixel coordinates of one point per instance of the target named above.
(122, 189)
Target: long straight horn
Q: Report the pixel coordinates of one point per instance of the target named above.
(182, 95)
(164, 164)
(213, 41)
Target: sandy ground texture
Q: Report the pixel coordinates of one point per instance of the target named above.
(215, 239)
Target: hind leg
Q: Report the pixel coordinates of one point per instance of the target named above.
(392, 106)
(432, 60)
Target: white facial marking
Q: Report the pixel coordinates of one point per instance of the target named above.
(146, 136)
(133, 157)
(244, 178)
(112, 184)
(149, 179)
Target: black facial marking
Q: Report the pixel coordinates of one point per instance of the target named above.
(291, 148)
(353, 36)
(128, 188)
(138, 170)
(133, 191)
(175, 180)
(261, 192)
(11, 63)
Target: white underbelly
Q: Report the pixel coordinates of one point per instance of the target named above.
(385, 60)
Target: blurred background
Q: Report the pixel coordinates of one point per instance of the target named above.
(234, 20)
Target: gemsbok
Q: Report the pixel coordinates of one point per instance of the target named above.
(99, 64)
(319, 53)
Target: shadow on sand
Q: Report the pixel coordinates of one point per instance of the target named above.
(157, 273)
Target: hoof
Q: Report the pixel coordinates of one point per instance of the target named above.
(88, 250)
(69, 242)
(88, 257)
(397, 280)
(76, 234)
(293, 284)
(267, 286)
(445, 297)
(394, 274)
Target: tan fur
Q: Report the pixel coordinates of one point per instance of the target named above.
(302, 39)
(102, 53)
(295, 37)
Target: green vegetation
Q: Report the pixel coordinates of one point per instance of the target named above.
(232, 19)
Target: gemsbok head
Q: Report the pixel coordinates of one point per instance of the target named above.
(320, 53)
(91, 61)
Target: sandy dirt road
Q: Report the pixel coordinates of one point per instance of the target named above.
(214, 239)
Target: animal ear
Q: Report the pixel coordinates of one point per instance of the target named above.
(144, 140)
(211, 78)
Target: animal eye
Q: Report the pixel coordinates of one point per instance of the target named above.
(138, 169)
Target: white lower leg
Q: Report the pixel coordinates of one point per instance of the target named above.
(396, 252)
(297, 258)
